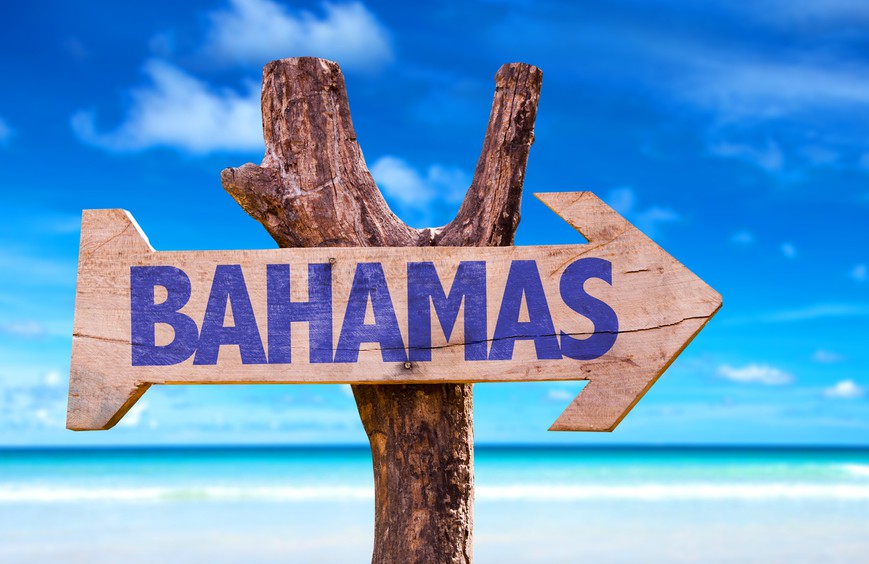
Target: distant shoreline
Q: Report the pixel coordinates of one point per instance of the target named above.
(492, 447)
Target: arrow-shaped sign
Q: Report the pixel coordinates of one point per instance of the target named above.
(616, 312)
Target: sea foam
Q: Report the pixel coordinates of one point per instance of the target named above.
(34, 494)
(856, 470)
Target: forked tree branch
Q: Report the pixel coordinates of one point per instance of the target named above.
(313, 189)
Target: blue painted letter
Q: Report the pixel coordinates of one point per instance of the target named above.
(228, 287)
(145, 315)
(317, 312)
(424, 289)
(369, 282)
(524, 279)
(606, 323)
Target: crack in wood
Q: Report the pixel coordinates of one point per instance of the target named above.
(300, 348)
(527, 337)
(92, 252)
(103, 339)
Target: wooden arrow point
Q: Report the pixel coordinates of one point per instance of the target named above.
(663, 306)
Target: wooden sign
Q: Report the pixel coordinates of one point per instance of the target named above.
(616, 312)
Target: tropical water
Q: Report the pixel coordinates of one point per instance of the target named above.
(532, 505)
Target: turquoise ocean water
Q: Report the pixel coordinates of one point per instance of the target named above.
(532, 505)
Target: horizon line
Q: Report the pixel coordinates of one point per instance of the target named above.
(483, 446)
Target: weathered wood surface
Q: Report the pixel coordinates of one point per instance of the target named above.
(658, 303)
(313, 190)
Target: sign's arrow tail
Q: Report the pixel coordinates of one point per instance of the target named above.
(665, 306)
(98, 400)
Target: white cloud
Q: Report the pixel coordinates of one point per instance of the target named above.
(783, 110)
(256, 31)
(844, 389)
(742, 238)
(819, 311)
(807, 313)
(31, 398)
(623, 200)
(52, 378)
(859, 273)
(177, 110)
(134, 416)
(648, 219)
(814, 102)
(5, 131)
(742, 85)
(180, 111)
(27, 329)
(812, 13)
(826, 357)
(820, 156)
(789, 251)
(769, 157)
(55, 223)
(36, 270)
(560, 394)
(44, 417)
(811, 101)
(76, 49)
(33, 329)
(755, 374)
(416, 193)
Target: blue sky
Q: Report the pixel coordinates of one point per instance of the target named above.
(733, 133)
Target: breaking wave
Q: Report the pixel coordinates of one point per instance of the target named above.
(516, 492)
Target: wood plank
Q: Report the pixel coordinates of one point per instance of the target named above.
(659, 305)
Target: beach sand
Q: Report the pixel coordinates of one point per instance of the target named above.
(318, 507)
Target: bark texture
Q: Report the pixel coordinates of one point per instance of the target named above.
(314, 189)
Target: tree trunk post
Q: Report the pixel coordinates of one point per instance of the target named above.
(313, 189)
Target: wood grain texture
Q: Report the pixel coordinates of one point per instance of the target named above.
(314, 189)
(659, 304)
(315, 196)
(667, 305)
